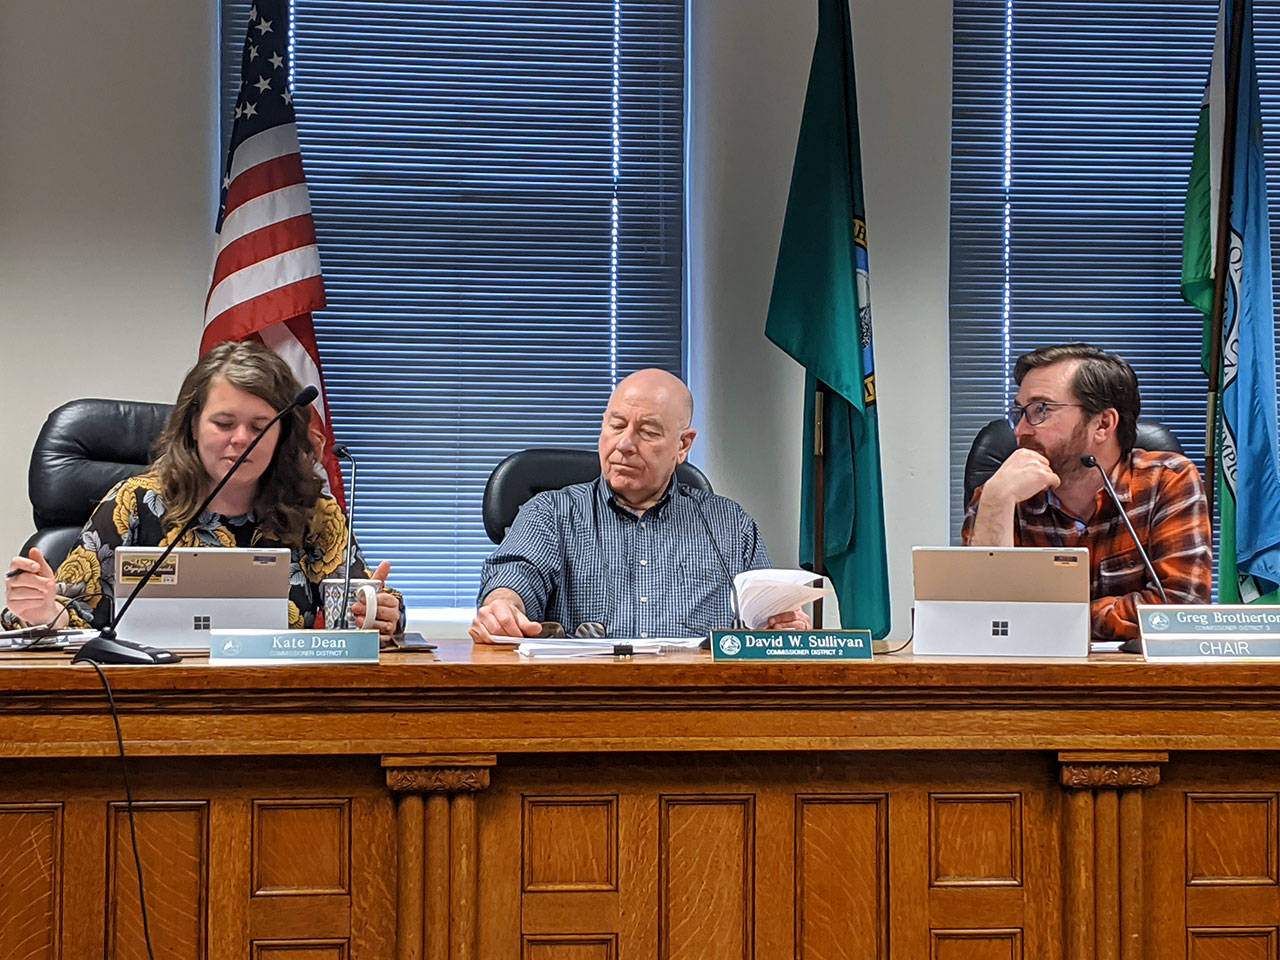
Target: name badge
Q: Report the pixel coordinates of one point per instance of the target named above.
(293, 646)
(790, 644)
(1209, 632)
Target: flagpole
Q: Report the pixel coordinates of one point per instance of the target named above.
(1222, 251)
(819, 493)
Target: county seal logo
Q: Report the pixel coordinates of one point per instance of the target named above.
(730, 645)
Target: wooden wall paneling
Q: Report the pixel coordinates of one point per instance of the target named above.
(707, 869)
(373, 881)
(976, 944)
(639, 883)
(301, 949)
(568, 946)
(1106, 874)
(173, 845)
(1164, 931)
(410, 876)
(1097, 856)
(975, 840)
(1231, 943)
(1231, 839)
(1132, 898)
(841, 876)
(84, 858)
(451, 829)
(569, 843)
(301, 847)
(774, 880)
(436, 883)
(230, 870)
(31, 880)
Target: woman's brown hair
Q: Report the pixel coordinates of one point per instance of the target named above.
(289, 487)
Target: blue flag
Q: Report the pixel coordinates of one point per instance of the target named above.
(1248, 470)
(820, 314)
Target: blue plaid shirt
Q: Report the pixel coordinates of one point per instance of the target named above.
(576, 555)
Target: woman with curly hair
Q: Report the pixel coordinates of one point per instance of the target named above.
(275, 499)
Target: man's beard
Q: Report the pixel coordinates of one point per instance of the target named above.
(1064, 459)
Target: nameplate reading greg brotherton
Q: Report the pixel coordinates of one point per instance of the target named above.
(791, 644)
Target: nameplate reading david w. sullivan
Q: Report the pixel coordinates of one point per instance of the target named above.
(790, 644)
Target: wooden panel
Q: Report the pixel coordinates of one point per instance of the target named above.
(706, 884)
(841, 877)
(299, 950)
(173, 845)
(571, 947)
(30, 880)
(1231, 838)
(976, 945)
(301, 847)
(975, 840)
(1231, 943)
(570, 843)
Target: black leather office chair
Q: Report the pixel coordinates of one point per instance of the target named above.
(521, 475)
(84, 448)
(994, 442)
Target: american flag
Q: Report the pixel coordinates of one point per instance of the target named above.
(266, 270)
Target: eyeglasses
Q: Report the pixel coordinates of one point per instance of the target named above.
(1036, 412)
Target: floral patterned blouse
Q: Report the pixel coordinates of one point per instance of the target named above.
(132, 514)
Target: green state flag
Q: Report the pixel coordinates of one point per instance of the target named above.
(820, 314)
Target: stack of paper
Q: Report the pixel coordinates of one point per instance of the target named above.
(767, 593)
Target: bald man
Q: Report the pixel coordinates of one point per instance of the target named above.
(631, 551)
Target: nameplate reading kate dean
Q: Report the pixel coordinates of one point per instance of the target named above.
(293, 646)
(1200, 632)
(790, 644)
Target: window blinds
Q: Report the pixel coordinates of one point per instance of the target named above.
(498, 196)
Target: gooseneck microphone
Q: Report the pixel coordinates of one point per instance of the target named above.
(341, 451)
(107, 647)
(1092, 462)
(738, 623)
(1131, 645)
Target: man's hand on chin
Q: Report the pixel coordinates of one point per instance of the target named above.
(1021, 477)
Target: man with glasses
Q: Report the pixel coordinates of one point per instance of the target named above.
(632, 554)
(1076, 401)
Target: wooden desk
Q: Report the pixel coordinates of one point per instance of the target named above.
(472, 805)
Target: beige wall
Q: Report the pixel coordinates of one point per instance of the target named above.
(108, 168)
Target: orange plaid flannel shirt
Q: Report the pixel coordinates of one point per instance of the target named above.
(1164, 497)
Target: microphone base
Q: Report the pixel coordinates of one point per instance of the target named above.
(1132, 645)
(110, 649)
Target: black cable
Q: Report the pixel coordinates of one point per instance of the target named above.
(128, 796)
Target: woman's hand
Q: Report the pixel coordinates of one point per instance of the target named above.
(388, 612)
(30, 589)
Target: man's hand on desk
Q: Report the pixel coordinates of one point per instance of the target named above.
(502, 615)
(791, 620)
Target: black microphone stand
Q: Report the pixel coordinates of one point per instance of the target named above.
(341, 451)
(1131, 645)
(98, 650)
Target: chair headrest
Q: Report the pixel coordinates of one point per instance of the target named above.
(84, 448)
(538, 469)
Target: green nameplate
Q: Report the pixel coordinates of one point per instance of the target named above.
(1200, 632)
(293, 646)
(790, 644)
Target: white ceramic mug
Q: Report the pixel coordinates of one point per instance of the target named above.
(366, 590)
